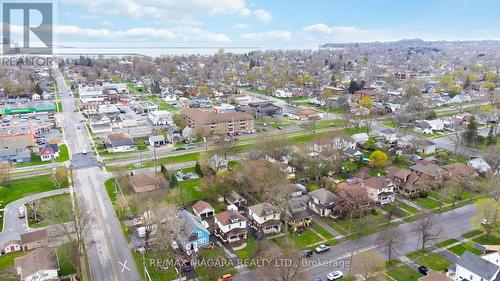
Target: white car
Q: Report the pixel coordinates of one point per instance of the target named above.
(322, 248)
(335, 275)
(21, 212)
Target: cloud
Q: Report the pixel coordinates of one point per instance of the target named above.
(342, 33)
(162, 8)
(262, 15)
(242, 26)
(185, 34)
(271, 35)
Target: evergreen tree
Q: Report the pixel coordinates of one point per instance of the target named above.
(197, 169)
(173, 181)
(491, 140)
(471, 134)
(353, 87)
(38, 89)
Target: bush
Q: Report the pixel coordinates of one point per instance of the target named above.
(442, 154)
(197, 169)
(423, 194)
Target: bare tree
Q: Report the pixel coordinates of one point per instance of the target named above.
(456, 139)
(427, 229)
(205, 134)
(279, 271)
(391, 239)
(488, 215)
(35, 209)
(76, 230)
(59, 177)
(492, 156)
(5, 171)
(490, 185)
(368, 265)
(152, 215)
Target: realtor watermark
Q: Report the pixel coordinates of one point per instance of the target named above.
(27, 33)
(261, 262)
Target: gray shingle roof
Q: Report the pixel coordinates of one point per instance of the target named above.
(478, 265)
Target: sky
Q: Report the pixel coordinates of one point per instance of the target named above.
(271, 24)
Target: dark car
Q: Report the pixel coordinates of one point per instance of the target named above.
(258, 235)
(423, 269)
(180, 148)
(318, 279)
(307, 253)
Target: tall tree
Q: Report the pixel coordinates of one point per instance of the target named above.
(368, 266)
(471, 135)
(391, 239)
(426, 229)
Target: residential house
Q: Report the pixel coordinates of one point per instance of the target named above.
(217, 163)
(355, 196)
(157, 141)
(424, 146)
(358, 95)
(299, 215)
(193, 234)
(406, 181)
(297, 189)
(49, 152)
(15, 155)
(260, 109)
(323, 202)
(305, 114)
(38, 265)
(203, 209)
(428, 172)
(100, 124)
(10, 247)
(265, 217)
(230, 227)
(460, 171)
(472, 267)
(226, 123)
(235, 199)
(145, 182)
(380, 189)
(160, 117)
(34, 239)
(118, 142)
(481, 165)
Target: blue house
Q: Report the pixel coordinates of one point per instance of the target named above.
(194, 234)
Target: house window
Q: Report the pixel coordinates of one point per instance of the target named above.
(202, 241)
(471, 278)
(199, 233)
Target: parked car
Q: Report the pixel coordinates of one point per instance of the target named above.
(335, 275)
(307, 253)
(21, 212)
(322, 248)
(423, 269)
(318, 279)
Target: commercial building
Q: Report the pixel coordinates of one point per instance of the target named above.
(226, 123)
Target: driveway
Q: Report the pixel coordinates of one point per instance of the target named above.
(13, 226)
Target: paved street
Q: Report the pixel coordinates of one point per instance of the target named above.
(452, 224)
(108, 248)
(13, 226)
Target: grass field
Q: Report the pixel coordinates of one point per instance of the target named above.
(1, 221)
(190, 190)
(7, 260)
(301, 240)
(461, 248)
(66, 268)
(434, 262)
(20, 188)
(62, 200)
(404, 273)
(156, 273)
(445, 243)
(427, 203)
(209, 273)
(321, 231)
(492, 240)
(250, 250)
(472, 233)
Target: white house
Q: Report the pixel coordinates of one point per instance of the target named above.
(160, 117)
(475, 268)
(380, 189)
(480, 165)
(10, 246)
(230, 227)
(280, 93)
(265, 217)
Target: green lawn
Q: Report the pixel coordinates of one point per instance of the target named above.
(7, 260)
(20, 188)
(404, 273)
(190, 191)
(398, 212)
(301, 240)
(61, 200)
(391, 124)
(311, 186)
(427, 203)
(461, 248)
(472, 233)
(407, 207)
(334, 225)
(209, 273)
(492, 240)
(434, 262)
(373, 220)
(250, 250)
(156, 273)
(111, 189)
(323, 232)
(445, 243)
(66, 268)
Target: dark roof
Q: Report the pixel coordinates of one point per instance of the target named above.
(478, 265)
(202, 117)
(324, 196)
(263, 209)
(33, 236)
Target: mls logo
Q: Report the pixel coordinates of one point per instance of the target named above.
(28, 23)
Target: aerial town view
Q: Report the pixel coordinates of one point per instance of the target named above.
(242, 140)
